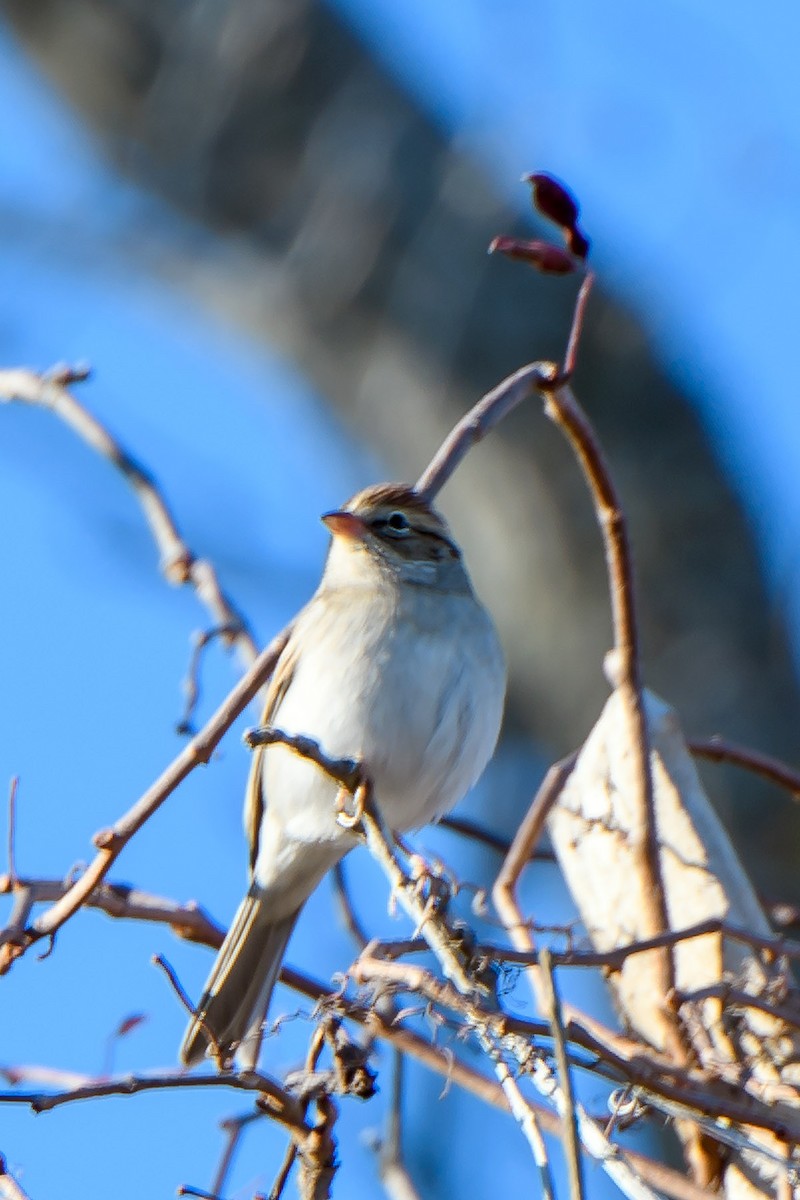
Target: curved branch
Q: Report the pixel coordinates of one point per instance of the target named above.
(179, 564)
(474, 426)
(718, 750)
(624, 669)
(282, 1106)
(111, 842)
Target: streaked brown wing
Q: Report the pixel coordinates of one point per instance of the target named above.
(254, 799)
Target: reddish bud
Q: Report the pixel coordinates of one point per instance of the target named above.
(557, 203)
(544, 257)
(128, 1024)
(578, 243)
(553, 200)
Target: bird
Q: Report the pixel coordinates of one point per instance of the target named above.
(394, 663)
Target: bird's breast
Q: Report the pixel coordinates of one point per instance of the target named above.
(413, 687)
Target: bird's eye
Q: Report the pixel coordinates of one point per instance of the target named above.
(398, 522)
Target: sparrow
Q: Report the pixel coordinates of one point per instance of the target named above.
(395, 663)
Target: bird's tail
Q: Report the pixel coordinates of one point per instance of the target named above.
(238, 990)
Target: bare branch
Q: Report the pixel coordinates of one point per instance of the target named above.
(281, 1105)
(158, 960)
(553, 1012)
(234, 1128)
(717, 749)
(344, 771)
(312, 1058)
(179, 565)
(624, 668)
(284, 1171)
(576, 329)
(671, 1183)
(504, 892)
(487, 413)
(348, 912)
(612, 959)
(12, 827)
(110, 842)
(394, 1175)
(191, 684)
(121, 901)
(479, 833)
(626, 1060)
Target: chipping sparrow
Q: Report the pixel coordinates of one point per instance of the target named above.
(393, 662)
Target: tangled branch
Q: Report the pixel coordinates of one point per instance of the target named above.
(711, 1049)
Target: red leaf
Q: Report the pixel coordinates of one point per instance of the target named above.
(543, 256)
(555, 201)
(128, 1024)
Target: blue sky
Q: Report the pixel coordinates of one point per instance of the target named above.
(677, 126)
(678, 130)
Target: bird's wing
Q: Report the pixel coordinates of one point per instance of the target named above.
(254, 797)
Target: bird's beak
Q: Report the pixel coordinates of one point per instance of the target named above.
(345, 525)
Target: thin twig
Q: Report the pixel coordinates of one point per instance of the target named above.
(624, 1057)
(612, 959)
(576, 328)
(12, 829)
(283, 1107)
(480, 1023)
(344, 771)
(110, 842)
(159, 961)
(317, 1159)
(191, 684)
(312, 1058)
(179, 565)
(438, 937)
(234, 1128)
(718, 749)
(121, 901)
(210, 934)
(504, 891)
(316, 991)
(284, 1171)
(735, 998)
(348, 912)
(623, 664)
(553, 1013)
(394, 1175)
(476, 832)
(487, 413)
